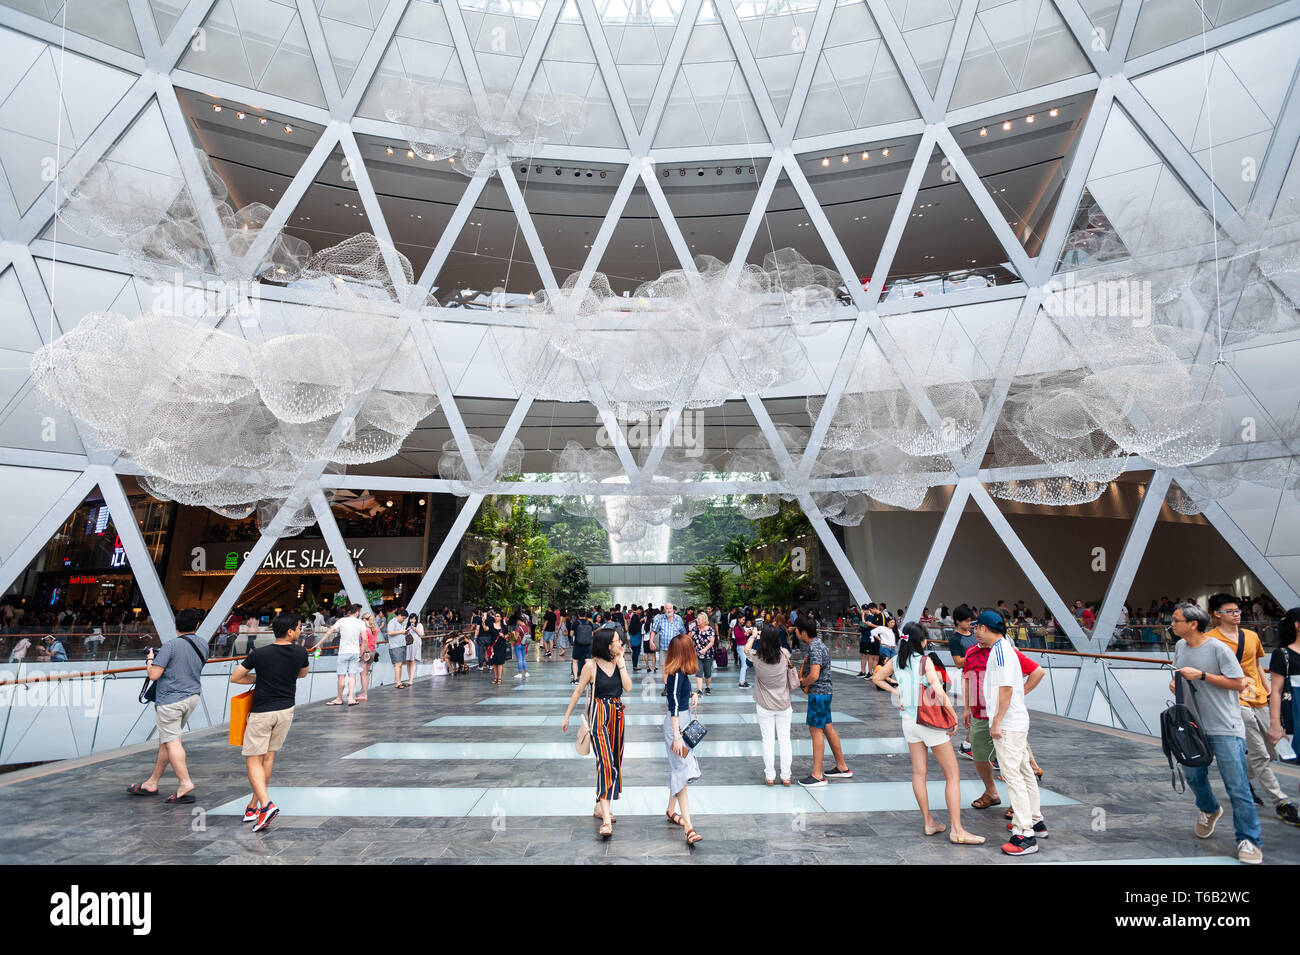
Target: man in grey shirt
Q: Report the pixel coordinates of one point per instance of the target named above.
(178, 673)
(1215, 679)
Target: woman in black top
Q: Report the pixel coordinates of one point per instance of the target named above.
(499, 646)
(606, 671)
(1283, 667)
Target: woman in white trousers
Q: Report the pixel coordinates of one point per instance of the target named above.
(771, 663)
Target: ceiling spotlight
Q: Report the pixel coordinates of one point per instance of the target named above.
(388, 503)
(261, 120)
(602, 174)
(288, 128)
(844, 160)
(422, 502)
(681, 172)
(984, 131)
(739, 170)
(1029, 118)
(885, 151)
(523, 170)
(665, 173)
(576, 173)
(559, 171)
(751, 170)
(699, 172)
(1053, 112)
(538, 170)
(865, 155)
(410, 154)
(588, 173)
(1006, 125)
(216, 107)
(240, 115)
(826, 161)
(719, 170)
(450, 159)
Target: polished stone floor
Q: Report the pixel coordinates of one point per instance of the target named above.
(456, 771)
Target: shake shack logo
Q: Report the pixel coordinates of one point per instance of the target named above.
(77, 908)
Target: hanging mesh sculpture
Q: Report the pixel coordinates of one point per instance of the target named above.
(478, 133)
(469, 479)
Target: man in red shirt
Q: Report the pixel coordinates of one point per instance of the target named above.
(975, 718)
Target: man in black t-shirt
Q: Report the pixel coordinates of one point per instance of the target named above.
(274, 672)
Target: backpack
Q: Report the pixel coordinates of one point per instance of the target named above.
(1181, 735)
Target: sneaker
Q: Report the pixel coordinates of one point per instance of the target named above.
(1019, 845)
(834, 773)
(250, 813)
(1286, 812)
(812, 782)
(1205, 822)
(1040, 829)
(1255, 796)
(967, 751)
(1249, 853)
(708, 691)
(269, 812)
(519, 676)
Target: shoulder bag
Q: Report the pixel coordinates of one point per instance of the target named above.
(929, 711)
(693, 731)
(149, 692)
(1288, 715)
(791, 674)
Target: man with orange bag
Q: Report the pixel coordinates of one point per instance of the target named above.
(274, 672)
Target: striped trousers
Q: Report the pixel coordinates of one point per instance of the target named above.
(607, 744)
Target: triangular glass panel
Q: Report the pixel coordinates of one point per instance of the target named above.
(1102, 14)
(500, 31)
(259, 44)
(568, 210)
(639, 34)
(422, 50)
(490, 266)
(712, 203)
(165, 14)
(946, 246)
(787, 225)
(37, 123)
(1023, 168)
(1227, 122)
(108, 21)
(1015, 45)
(568, 69)
(348, 26)
(639, 249)
(856, 82)
(1161, 23)
(858, 189)
(710, 103)
(927, 27)
(777, 34)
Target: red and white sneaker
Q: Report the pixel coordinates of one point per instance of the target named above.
(269, 812)
(1020, 845)
(250, 813)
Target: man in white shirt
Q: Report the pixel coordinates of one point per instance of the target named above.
(349, 628)
(397, 644)
(1004, 695)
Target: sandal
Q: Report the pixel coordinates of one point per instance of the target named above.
(187, 798)
(596, 815)
(969, 839)
(137, 789)
(1009, 814)
(334, 703)
(693, 837)
(675, 818)
(983, 802)
(606, 831)
(939, 827)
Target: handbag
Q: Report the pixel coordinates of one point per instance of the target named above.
(792, 680)
(693, 733)
(240, 706)
(929, 712)
(583, 742)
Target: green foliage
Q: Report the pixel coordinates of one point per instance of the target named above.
(706, 537)
(774, 584)
(789, 521)
(710, 583)
(572, 588)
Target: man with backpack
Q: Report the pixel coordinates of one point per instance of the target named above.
(1225, 611)
(1215, 679)
(583, 632)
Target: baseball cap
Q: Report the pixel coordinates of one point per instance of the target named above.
(993, 620)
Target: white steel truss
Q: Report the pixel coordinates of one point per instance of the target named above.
(158, 75)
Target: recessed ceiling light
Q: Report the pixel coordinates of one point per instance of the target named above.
(984, 131)
(389, 150)
(240, 115)
(422, 502)
(826, 161)
(1006, 125)
(844, 160)
(865, 155)
(288, 128)
(665, 173)
(216, 107)
(885, 151)
(1053, 111)
(1029, 118)
(410, 154)
(261, 120)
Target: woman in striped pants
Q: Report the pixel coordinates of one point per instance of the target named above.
(606, 671)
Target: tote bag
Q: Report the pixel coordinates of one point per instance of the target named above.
(239, 709)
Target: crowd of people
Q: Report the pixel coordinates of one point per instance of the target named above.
(1248, 717)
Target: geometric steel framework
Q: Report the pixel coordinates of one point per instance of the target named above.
(668, 83)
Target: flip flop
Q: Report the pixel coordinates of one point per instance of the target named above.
(187, 798)
(983, 802)
(334, 703)
(353, 702)
(137, 789)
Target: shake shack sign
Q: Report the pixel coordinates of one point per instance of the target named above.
(310, 556)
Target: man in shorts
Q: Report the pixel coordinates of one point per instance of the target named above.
(397, 644)
(583, 632)
(815, 680)
(178, 672)
(350, 630)
(274, 672)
